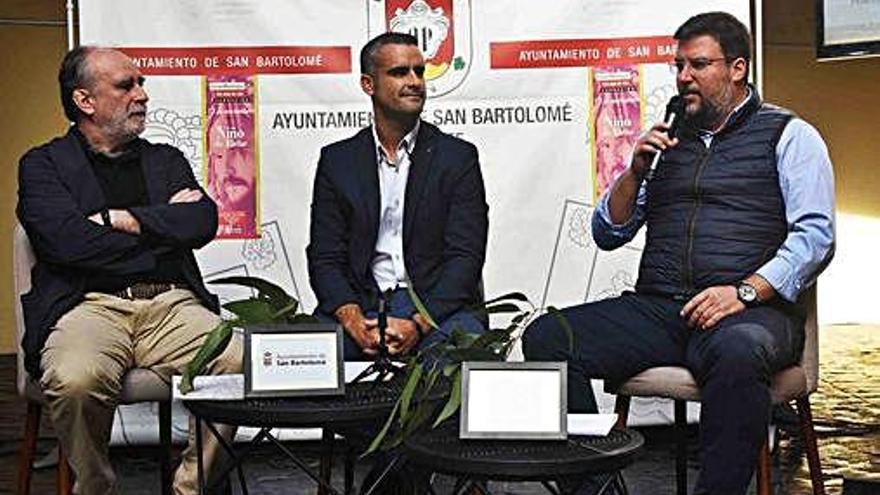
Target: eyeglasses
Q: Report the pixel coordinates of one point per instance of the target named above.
(696, 65)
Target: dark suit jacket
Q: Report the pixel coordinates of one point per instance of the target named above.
(445, 223)
(57, 191)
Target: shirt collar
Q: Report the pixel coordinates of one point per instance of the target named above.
(407, 143)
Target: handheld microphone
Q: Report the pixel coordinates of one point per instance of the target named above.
(674, 109)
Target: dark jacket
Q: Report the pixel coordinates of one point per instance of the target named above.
(445, 222)
(58, 191)
(716, 215)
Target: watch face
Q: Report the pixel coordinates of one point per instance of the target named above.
(746, 293)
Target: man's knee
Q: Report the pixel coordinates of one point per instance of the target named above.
(743, 350)
(543, 340)
(461, 321)
(464, 321)
(80, 379)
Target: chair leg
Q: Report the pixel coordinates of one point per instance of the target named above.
(762, 472)
(621, 407)
(28, 447)
(65, 480)
(326, 466)
(165, 446)
(808, 434)
(680, 414)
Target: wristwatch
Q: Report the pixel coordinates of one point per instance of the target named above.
(747, 294)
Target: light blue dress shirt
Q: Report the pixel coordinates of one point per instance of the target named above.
(807, 183)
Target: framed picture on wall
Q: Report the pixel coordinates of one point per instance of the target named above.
(847, 29)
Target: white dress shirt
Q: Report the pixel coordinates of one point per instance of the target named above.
(388, 265)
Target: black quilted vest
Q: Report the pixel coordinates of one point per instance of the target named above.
(715, 214)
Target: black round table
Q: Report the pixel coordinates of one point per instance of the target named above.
(363, 405)
(564, 461)
(363, 401)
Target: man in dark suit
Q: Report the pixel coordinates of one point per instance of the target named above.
(113, 220)
(399, 203)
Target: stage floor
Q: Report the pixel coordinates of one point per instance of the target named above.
(846, 409)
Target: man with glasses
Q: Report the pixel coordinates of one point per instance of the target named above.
(399, 203)
(740, 221)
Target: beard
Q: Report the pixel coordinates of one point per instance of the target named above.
(710, 112)
(125, 127)
(704, 117)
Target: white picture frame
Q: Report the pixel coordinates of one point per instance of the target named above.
(293, 360)
(514, 400)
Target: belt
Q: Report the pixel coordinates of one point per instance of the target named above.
(145, 290)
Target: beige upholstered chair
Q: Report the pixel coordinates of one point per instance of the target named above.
(139, 385)
(795, 383)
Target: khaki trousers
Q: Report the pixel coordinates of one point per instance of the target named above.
(89, 351)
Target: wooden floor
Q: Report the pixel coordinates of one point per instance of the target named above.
(846, 409)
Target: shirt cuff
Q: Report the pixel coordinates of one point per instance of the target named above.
(779, 273)
(606, 233)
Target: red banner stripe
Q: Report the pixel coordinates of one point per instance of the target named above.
(578, 53)
(241, 60)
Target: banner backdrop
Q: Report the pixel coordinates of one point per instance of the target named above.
(545, 90)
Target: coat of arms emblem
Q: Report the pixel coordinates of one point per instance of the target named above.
(443, 28)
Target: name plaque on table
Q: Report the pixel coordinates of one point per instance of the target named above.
(293, 360)
(513, 400)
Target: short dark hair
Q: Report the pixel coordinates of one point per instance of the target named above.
(727, 30)
(74, 74)
(368, 52)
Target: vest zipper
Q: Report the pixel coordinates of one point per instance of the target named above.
(688, 262)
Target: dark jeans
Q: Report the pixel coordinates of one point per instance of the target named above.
(732, 363)
(402, 307)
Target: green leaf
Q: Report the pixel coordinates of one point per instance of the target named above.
(459, 338)
(566, 326)
(423, 402)
(419, 418)
(453, 403)
(276, 296)
(214, 345)
(449, 369)
(493, 336)
(302, 318)
(524, 316)
(502, 308)
(290, 309)
(420, 307)
(513, 296)
(252, 311)
(377, 441)
(412, 380)
(430, 381)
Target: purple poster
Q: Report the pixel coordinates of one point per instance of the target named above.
(616, 119)
(231, 151)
